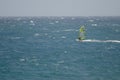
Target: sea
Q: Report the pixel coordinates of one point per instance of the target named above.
(47, 48)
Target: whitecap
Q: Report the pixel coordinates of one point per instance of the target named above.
(76, 30)
(32, 22)
(36, 34)
(94, 24)
(22, 59)
(57, 31)
(69, 30)
(18, 51)
(91, 20)
(77, 40)
(115, 25)
(56, 21)
(16, 37)
(37, 64)
(63, 37)
(53, 37)
(116, 30)
(65, 51)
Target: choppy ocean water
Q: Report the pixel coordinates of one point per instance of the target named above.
(45, 48)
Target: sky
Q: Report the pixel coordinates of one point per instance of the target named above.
(59, 7)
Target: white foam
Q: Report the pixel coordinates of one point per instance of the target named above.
(115, 25)
(63, 37)
(32, 22)
(37, 64)
(16, 37)
(58, 31)
(94, 24)
(22, 59)
(65, 51)
(36, 34)
(53, 37)
(116, 30)
(90, 40)
(56, 21)
(69, 30)
(91, 20)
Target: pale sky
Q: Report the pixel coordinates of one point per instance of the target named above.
(59, 7)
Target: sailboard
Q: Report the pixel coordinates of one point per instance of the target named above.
(82, 32)
(82, 37)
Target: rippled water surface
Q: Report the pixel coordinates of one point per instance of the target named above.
(46, 48)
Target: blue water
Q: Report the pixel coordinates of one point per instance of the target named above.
(45, 48)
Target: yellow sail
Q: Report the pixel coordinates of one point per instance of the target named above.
(81, 33)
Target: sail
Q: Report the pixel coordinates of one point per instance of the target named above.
(81, 33)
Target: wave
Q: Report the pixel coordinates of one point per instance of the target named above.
(16, 37)
(92, 40)
(68, 30)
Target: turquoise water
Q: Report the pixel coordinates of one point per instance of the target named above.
(45, 48)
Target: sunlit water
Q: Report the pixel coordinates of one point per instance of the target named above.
(46, 48)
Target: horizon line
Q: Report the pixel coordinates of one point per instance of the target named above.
(60, 16)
